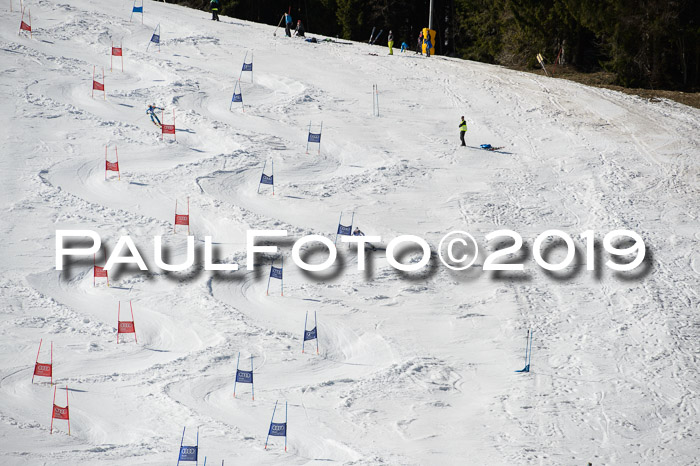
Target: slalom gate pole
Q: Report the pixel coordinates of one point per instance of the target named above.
(320, 131)
(316, 326)
(267, 293)
(252, 379)
(264, 166)
(52, 405)
(286, 426)
(282, 279)
(236, 379)
(377, 92)
(336, 230)
(240, 75)
(303, 340)
(119, 173)
(527, 346)
(271, 421)
(68, 410)
(132, 320)
(181, 442)
(37, 358)
(272, 162)
(119, 310)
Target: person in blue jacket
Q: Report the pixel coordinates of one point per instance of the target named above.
(288, 24)
(152, 112)
(428, 45)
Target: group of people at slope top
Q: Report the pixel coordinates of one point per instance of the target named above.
(424, 40)
(288, 24)
(404, 45)
(419, 46)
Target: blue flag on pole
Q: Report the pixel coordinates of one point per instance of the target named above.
(237, 98)
(278, 429)
(344, 230)
(310, 334)
(247, 67)
(137, 9)
(155, 38)
(276, 272)
(265, 179)
(188, 453)
(315, 137)
(244, 376)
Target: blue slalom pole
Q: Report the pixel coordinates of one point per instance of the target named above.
(264, 166)
(272, 162)
(197, 461)
(336, 230)
(528, 349)
(303, 340)
(316, 326)
(236, 379)
(271, 420)
(252, 379)
(286, 426)
(241, 74)
(282, 279)
(267, 293)
(320, 132)
(181, 442)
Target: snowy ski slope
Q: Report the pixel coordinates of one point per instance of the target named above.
(414, 369)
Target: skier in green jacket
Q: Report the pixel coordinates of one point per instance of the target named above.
(462, 130)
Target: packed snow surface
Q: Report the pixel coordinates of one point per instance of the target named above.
(414, 368)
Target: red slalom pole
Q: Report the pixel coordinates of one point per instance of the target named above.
(52, 408)
(37, 357)
(132, 321)
(69, 411)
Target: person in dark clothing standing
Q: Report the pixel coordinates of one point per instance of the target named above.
(288, 24)
(419, 48)
(462, 130)
(214, 10)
